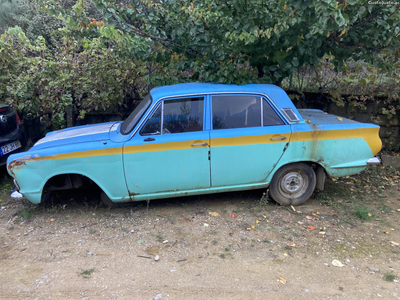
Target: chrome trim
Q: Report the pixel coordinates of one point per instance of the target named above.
(16, 185)
(201, 144)
(278, 138)
(210, 94)
(374, 161)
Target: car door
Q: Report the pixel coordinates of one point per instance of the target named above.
(247, 139)
(170, 152)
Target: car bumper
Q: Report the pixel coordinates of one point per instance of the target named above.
(16, 135)
(374, 161)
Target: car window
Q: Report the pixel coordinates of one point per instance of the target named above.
(270, 117)
(236, 111)
(131, 121)
(153, 124)
(176, 116)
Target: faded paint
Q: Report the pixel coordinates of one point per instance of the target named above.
(127, 168)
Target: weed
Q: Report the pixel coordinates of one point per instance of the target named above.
(26, 213)
(214, 242)
(389, 277)
(288, 248)
(227, 249)
(92, 231)
(222, 256)
(10, 228)
(266, 241)
(385, 209)
(213, 232)
(159, 237)
(86, 273)
(362, 213)
(264, 200)
(341, 288)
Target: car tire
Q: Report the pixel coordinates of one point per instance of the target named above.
(293, 184)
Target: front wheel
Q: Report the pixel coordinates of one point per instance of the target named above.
(293, 184)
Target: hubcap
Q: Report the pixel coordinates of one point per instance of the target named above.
(293, 184)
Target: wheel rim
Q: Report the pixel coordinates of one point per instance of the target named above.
(293, 184)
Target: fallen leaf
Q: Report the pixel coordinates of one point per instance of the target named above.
(281, 280)
(386, 232)
(213, 213)
(394, 243)
(252, 226)
(266, 216)
(307, 120)
(398, 209)
(337, 263)
(311, 228)
(234, 215)
(392, 229)
(314, 212)
(206, 225)
(259, 222)
(339, 118)
(248, 229)
(322, 232)
(335, 215)
(292, 207)
(51, 220)
(310, 218)
(299, 212)
(291, 245)
(369, 215)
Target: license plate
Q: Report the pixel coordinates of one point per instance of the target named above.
(10, 147)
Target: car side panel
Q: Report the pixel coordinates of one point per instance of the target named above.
(99, 161)
(340, 151)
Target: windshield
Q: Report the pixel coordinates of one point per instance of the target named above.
(135, 116)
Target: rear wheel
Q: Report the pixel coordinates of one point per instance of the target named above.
(293, 184)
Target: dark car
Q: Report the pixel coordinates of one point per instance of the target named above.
(11, 133)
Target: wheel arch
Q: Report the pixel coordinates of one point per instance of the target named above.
(319, 169)
(68, 181)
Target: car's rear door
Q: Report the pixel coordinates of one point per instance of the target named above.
(173, 158)
(248, 137)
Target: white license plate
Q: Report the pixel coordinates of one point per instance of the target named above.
(10, 147)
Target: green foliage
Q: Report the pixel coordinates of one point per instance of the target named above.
(390, 277)
(255, 41)
(85, 74)
(362, 213)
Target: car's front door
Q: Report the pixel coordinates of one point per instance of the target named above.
(247, 139)
(169, 153)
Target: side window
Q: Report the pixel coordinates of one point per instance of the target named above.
(153, 124)
(270, 117)
(236, 112)
(183, 115)
(176, 116)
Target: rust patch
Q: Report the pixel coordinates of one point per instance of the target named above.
(133, 194)
(15, 164)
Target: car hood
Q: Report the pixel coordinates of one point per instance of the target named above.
(79, 134)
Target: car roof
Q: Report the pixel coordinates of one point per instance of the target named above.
(277, 94)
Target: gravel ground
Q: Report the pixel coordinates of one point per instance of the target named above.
(343, 243)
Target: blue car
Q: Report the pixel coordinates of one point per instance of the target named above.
(198, 138)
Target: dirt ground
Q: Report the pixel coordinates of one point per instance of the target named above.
(342, 244)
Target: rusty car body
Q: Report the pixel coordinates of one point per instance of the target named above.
(199, 138)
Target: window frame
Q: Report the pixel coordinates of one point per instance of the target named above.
(161, 102)
(263, 98)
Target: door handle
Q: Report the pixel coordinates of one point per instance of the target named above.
(149, 139)
(201, 144)
(278, 138)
